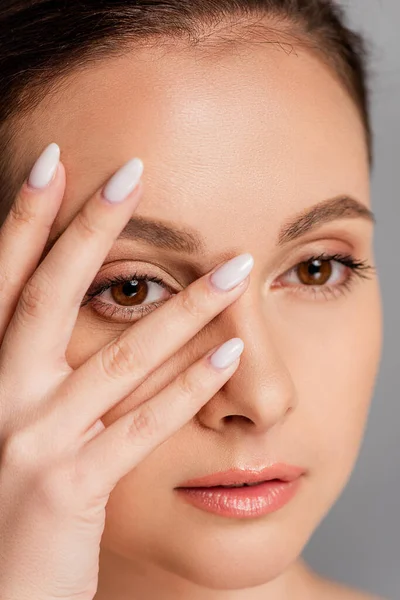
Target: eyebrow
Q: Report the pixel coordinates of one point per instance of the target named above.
(341, 207)
(169, 237)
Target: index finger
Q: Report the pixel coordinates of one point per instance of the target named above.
(26, 228)
(50, 302)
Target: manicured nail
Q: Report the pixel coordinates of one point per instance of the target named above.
(45, 167)
(227, 353)
(233, 272)
(124, 181)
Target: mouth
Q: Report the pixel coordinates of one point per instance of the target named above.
(240, 485)
(243, 493)
(247, 477)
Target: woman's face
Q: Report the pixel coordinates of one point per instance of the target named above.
(236, 146)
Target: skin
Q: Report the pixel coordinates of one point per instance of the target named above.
(234, 145)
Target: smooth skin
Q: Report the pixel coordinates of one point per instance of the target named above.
(235, 145)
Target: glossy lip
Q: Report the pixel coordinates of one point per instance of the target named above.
(281, 471)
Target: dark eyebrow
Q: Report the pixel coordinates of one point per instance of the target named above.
(153, 232)
(163, 235)
(341, 207)
(170, 237)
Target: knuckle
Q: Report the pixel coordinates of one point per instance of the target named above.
(20, 451)
(191, 302)
(143, 422)
(121, 357)
(189, 383)
(85, 223)
(51, 482)
(36, 294)
(9, 281)
(21, 212)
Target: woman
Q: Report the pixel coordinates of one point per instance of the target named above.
(126, 448)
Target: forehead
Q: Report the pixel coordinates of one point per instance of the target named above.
(226, 139)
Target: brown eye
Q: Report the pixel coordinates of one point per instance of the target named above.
(134, 293)
(314, 272)
(128, 297)
(130, 293)
(324, 276)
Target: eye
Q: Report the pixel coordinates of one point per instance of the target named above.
(317, 272)
(128, 297)
(326, 275)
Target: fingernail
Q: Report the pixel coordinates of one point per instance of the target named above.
(227, 353)
(233, 272)
(45, 167)
(124, 181)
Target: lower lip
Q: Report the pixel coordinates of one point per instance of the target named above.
(244, 502)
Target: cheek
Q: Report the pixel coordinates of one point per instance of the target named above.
(335, 376)
(142, 514)
(88, 337)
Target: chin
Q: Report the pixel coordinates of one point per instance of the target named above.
(235, 559)
(240, 574)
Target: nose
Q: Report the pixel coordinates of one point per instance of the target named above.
(260, 393)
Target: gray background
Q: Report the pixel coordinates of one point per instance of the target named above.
(358, 543)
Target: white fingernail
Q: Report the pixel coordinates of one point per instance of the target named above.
(227, 353)
(233, 272)
(45, 167)
(124, 181)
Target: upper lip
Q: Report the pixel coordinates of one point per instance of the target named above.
(281, 471)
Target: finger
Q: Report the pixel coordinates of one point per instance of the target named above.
(122, 365)
(26, 228)
(47, 310)
(123, 445)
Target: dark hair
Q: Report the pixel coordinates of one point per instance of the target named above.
(42, 41)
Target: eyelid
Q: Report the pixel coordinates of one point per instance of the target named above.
(141, 268)
(303, 252)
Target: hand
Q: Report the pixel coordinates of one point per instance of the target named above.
(58, 463)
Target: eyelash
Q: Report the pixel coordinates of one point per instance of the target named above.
(357, 269)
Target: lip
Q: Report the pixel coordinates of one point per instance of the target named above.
(281, 471)
(278, 485)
